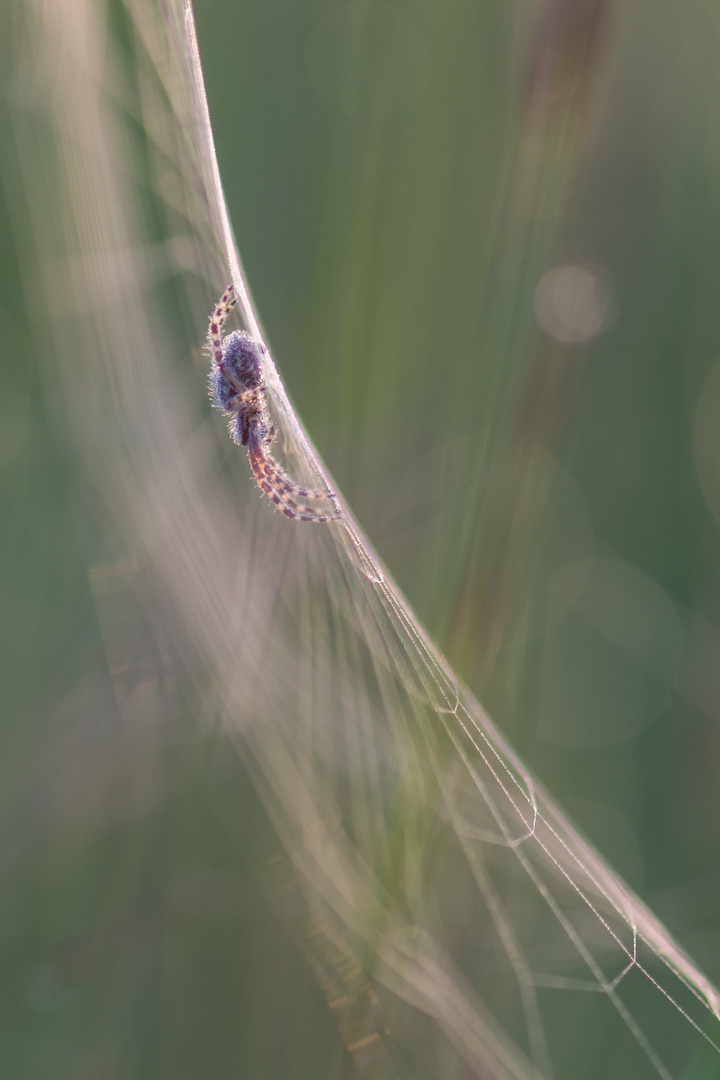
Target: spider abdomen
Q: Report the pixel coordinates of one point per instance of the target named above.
(239, 370)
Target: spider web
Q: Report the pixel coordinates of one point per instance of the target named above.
(424, 851)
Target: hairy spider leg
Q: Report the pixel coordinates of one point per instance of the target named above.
(276, 479)
(282, 482)
(217, 320)
(280, 479)
(286, 504)
(283, 501)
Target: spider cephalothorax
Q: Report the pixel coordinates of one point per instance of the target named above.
(237, 389)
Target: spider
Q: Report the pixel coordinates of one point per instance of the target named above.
(237, 389)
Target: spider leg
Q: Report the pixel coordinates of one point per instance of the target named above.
(284, 502)
(280, 478)
(217, 320)
(283, 483)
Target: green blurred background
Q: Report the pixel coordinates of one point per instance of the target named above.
(395, 220)
(484, 241)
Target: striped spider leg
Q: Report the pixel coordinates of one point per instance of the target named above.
(281, 490)
(237, 389)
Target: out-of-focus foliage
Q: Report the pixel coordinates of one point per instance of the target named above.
(542, 501)
(483, 240)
